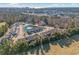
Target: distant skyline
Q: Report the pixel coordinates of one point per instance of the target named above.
(39, 5)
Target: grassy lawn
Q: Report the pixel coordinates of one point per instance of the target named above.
(2, 23)
(3, 28)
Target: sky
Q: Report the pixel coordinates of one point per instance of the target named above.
(39, 5)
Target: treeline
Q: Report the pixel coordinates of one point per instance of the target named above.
(18, 17)
(55, 21)
(23, 45)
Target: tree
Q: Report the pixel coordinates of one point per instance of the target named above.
(44, 18)
(32, 20)
(7, 47)
(20, 47)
